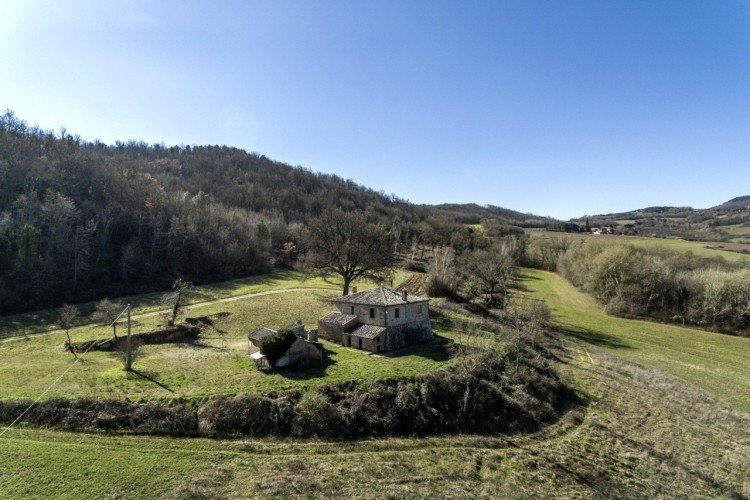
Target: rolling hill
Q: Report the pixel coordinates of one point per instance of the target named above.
(728, 222)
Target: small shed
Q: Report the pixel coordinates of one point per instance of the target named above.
(260, 360)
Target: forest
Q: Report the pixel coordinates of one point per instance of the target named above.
(86, 220)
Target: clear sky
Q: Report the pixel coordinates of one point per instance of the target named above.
(560, 108)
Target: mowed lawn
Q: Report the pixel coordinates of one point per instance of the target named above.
(715, 362)
(217, 364)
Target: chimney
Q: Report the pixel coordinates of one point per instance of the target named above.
(404, 294)
(354, 289)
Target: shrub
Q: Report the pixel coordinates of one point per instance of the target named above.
(275, 346)
(248, 414)
(316, 416)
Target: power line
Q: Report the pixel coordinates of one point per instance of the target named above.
(48, 388)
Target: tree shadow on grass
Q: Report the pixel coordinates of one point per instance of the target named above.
(202, 345)
(311, 371)
(519, 284)
(150, 379)
(592, 336)
(234, 286)
(434, 350)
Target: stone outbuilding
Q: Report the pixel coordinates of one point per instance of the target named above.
(378, 320)
(304, 351)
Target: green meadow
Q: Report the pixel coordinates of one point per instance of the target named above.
(717, 363)
(218, 362)
(666, 414)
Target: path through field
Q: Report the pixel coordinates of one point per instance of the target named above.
(191, 307)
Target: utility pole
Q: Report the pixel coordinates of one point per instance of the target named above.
(128, 353)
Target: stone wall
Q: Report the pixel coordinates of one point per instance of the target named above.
(400, 336)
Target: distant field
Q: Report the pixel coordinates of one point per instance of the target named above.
(738, 230)
(478, 228)
(725, 250)
(740, 233)
(717, 363)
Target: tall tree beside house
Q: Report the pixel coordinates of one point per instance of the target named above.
(346, 244)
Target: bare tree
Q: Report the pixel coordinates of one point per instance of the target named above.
(491, 271)
(346, 244)
(441, 275)
(531, 315)
(107, 312)
(176, 300)
(65, 318)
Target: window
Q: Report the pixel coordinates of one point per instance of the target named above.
(419, 309)
(372, 312)
(352, 309)
(397, 311)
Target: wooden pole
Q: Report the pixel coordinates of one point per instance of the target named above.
(128, 354)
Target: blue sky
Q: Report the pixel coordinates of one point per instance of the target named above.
(560, 108)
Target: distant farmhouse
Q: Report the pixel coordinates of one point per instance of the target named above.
(378, 320)
(304, 351)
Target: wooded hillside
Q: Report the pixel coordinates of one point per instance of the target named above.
(82, 220)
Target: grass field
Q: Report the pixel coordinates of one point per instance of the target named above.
(44, 321)
(740, 233)
(725, 250)
(645, 435)
(217, 364)
(717, 363)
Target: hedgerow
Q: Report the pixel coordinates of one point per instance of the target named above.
(483, 392)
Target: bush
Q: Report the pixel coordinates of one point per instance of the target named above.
(316, 416)
(247, 414)
(275, 346)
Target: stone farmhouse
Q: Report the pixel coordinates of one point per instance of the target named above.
(304, 351)
(378, 320)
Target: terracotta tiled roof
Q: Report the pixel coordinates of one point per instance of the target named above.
(379, 296)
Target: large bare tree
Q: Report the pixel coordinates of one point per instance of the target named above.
(344, 243)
